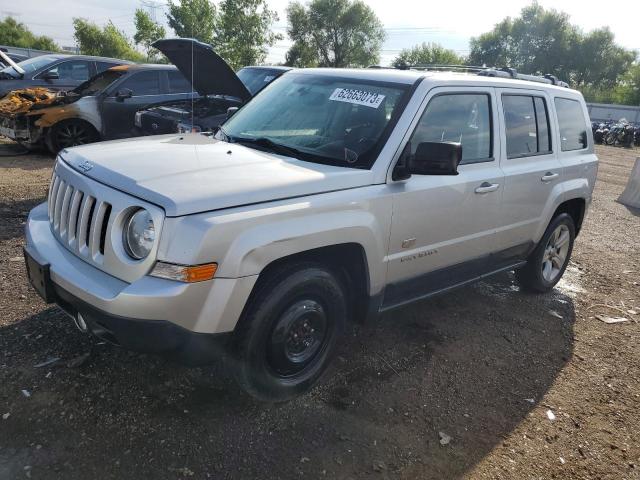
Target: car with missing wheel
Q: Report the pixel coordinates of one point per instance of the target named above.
(102, 108)
(332, 196)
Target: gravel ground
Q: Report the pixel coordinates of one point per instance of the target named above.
(481, 367)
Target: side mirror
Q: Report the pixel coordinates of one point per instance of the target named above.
(123, 94)
(51, 76)
(436, 158)
(231, 111)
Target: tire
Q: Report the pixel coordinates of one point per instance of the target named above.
(610, 139)
(542, 272)
(289, 331)
(70, 133)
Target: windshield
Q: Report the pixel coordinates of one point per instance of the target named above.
(326, 119)
(255, 79)
(98, 82)
(30, 65)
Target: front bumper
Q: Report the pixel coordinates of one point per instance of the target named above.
(162, 314)
(11, 129)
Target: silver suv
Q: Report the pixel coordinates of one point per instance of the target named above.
(331, 196)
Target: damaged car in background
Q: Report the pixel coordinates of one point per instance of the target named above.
(214, 80)
(102, 108)
(52, 71)
(15, 57)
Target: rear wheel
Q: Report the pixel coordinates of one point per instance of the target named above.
(549, 260)
(70, 133)
(289, 332)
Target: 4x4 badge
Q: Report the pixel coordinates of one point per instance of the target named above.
(85, 166)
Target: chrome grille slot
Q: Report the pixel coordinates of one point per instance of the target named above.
(86, 218)
(53, 191)
(104, 225)
(72, 228)
(85, 223)
(64, 211)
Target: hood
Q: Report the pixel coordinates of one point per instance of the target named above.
(193, 173)
(211, 74)
(26, 99)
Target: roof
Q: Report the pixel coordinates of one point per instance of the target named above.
(143, 66)
(409, 77)
(60, 56)
(273, 68)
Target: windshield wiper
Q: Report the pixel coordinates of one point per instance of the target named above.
(269, 145)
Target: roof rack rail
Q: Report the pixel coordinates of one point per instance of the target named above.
(504, 72)
(443, 67)
(513, 73)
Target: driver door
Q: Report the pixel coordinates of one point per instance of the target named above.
(444, 227)
(118, 112)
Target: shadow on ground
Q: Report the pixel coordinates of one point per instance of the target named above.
(470, 364)
(13, 215)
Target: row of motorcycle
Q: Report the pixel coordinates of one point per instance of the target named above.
(616, 134)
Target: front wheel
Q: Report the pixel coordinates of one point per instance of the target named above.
(289, 331)
(70, 133)
(549, 260)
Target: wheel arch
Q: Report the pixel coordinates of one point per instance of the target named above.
(576, 208)
(347, 260)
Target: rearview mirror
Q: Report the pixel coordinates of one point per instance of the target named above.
(51, 76)
(124, 94)
(436, 158)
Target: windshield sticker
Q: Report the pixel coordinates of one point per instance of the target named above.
(358, 97)
(268, 78)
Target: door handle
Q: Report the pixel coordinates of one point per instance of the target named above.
(547, 177)
(487, 187)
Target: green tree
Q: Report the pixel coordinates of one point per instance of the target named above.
(147, 32)
(334, 33)
(107, 41)
(243, 32)
(427, 53)
(628, 90)
(16, 34)
(193, 19)
(598, 61)
(544, 41)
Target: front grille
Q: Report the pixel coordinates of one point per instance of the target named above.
(78, 219)
(87, 218)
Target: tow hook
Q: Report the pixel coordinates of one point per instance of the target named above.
(80, 323)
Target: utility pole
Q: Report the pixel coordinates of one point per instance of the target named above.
(152, 6)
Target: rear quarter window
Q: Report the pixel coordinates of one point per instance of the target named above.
(572, 124)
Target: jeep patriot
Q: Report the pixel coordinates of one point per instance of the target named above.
(333, 195)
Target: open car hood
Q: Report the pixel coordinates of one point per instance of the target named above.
(211, 74)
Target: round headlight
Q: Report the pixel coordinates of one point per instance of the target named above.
(139, 234)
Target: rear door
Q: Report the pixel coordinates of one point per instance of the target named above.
(531, 167)
(443, 227)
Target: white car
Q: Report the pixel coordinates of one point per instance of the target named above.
(333, 195)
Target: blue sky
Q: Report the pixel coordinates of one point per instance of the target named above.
(407, 23)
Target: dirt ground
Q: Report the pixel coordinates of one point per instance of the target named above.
(484, 366)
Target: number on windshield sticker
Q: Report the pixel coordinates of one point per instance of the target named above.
(358, 97)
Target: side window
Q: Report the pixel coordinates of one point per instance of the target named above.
(102, 66)
(527, 125)
(573, 127)
(459, 117)
(143, 83)
(77, 70)
(177, 83)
